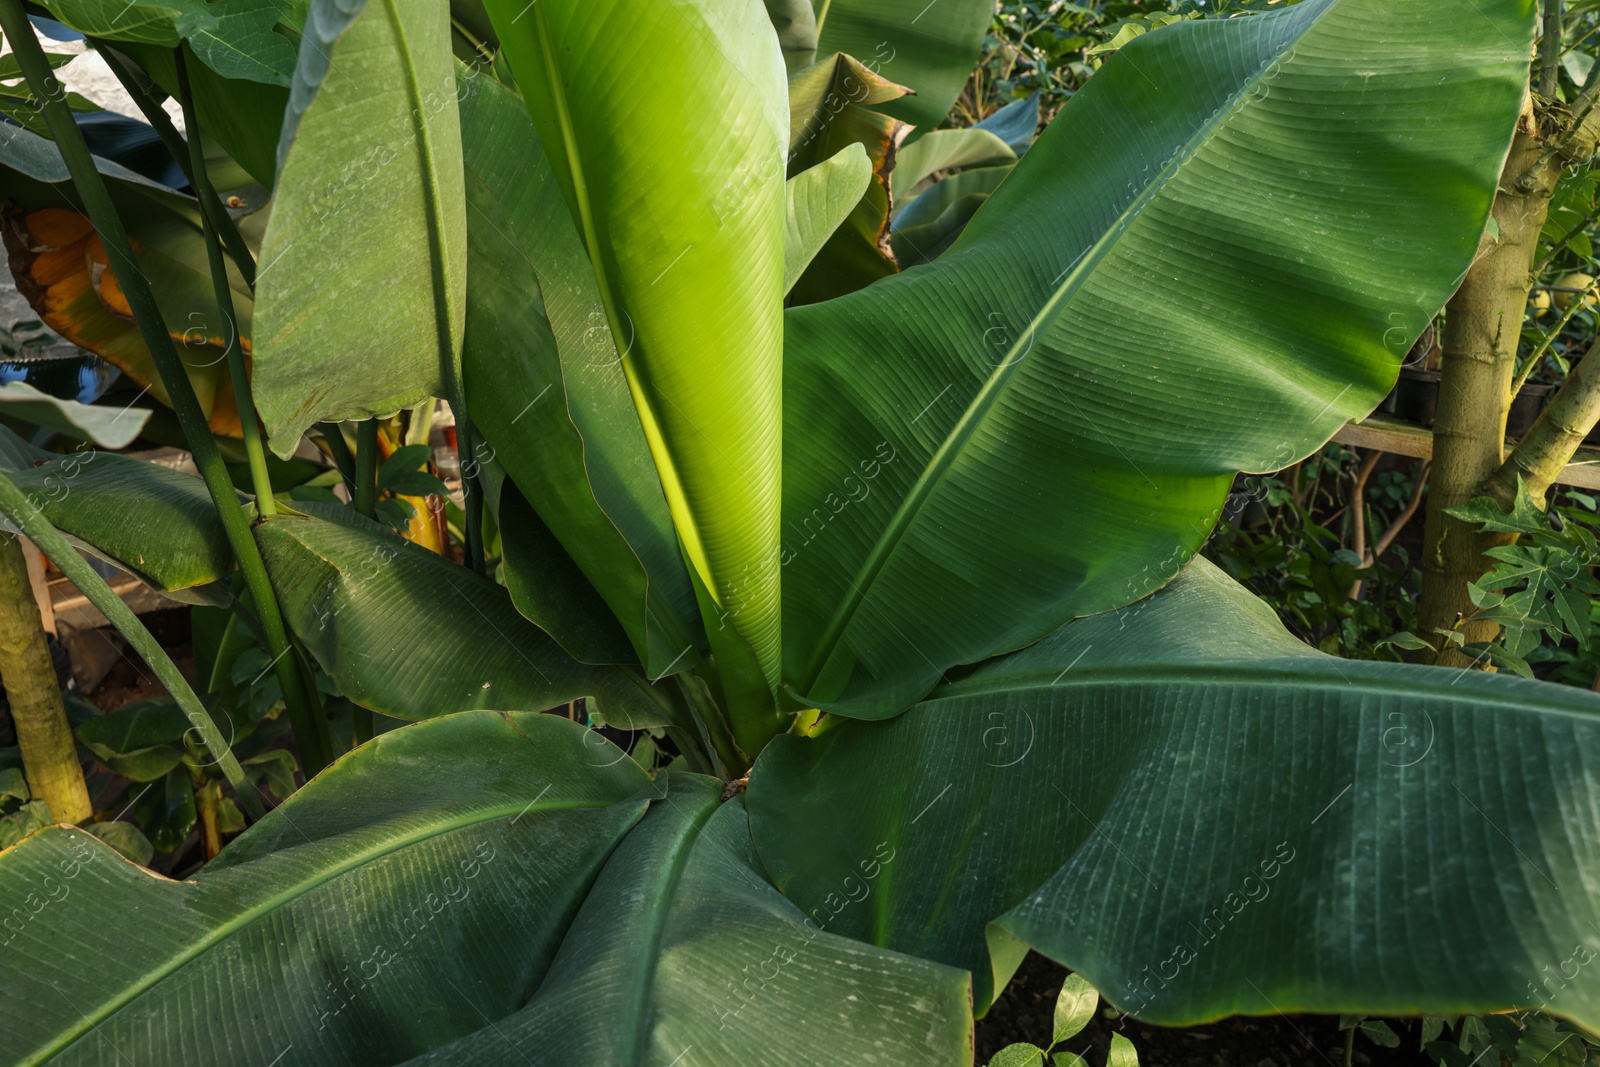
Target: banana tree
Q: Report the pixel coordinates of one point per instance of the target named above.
(909, 575)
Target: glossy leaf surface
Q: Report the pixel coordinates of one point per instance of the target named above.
(1206, 817)
(818, 201)
(546, 386)
(1060, 342)
(450, 893)
(365, 255)
(677, 187)
(408, 633)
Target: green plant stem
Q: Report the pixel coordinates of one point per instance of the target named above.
(91, 188)
(420, 427)
(255, 449)
(1550, 55)
(49, 753)
(1573, 308)
(1349, 1046)
(339, 448)
(193, 166)
(1554, 437)
(365, 494)
(471, 491)
(20, 510)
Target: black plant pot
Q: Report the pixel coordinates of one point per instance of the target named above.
(1415, 398)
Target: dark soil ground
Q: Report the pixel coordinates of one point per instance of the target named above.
(1024, 1012)
(132, 679)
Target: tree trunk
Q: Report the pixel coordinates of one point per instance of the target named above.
(1483, 325)
(49, 755)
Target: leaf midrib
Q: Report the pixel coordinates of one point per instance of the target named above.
(91, 1021)
(1276, 674)
(978, 409)
(432, 207)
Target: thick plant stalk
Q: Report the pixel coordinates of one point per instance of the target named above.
(1550, 58)
(16, 506)
(365, 494)
(211, 206)
(1554, 437)
(309, 727)
(255, 450)
(1483, 323)
(49, 754)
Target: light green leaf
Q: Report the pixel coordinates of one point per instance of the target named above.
(1075, 1007)
(1122, 1053)
(408, 633)
(146, 21)
(13, 784)
(451, 891)
(818, 200)
(668, 230)
(360, 295)
(1064, 338)
(151, 521)
(105, 427)
(545, 384)
(235, 39)
(1102, 760)
(1021, 1054)
(946, 150)
(929, 47)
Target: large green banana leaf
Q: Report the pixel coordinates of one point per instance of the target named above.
(480, 888)
(928, 47)
(152, 522)
(670, 155)
(830, 108)
(408, 633)
(1214, 256)
(545, 385)
(360, 293)
(1206, 817)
